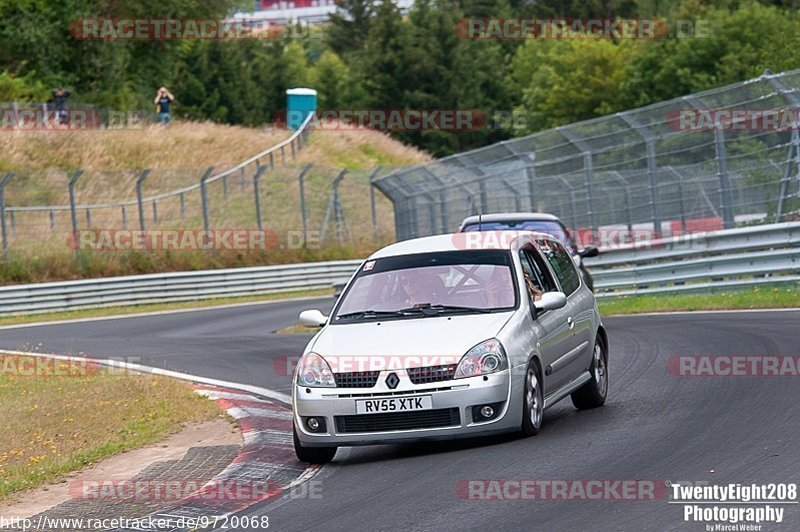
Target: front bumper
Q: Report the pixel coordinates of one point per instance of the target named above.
(457, 397)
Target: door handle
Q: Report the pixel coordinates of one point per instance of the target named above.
(571, 322)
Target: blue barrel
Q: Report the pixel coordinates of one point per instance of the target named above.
(300, 103)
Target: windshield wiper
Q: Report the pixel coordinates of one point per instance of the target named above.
(432, 310)
(367, 314)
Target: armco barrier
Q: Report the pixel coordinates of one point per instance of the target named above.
(701, 262)
(729, 259)
(169, 287)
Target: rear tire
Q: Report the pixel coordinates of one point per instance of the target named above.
(312, 455)
(532, 400)
(594, 393)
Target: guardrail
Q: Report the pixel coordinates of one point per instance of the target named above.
(171, 287)
(702, 262)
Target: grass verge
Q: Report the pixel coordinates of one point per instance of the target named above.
(138, 309)
(757, 298)
(55, 424)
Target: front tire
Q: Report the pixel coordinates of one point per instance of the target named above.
(594, 393)
(532, 400)
(312, 455)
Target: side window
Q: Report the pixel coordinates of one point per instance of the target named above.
(546, 282)
(532, 283)
(562, 265)
(537, 279)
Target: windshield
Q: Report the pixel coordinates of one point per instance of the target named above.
(429, 284)
(550, 227)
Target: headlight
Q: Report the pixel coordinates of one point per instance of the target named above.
(313, 371)
(486, 357)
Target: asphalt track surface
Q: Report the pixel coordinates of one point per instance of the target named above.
(655, 425)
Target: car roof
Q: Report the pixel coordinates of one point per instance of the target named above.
(457, 242)
(511, 217)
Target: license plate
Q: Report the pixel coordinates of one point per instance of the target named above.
(395, 404)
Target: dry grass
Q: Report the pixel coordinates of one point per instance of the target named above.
(52, 425)
(178, 155)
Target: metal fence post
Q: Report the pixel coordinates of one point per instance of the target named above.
(333, 208)
(3, 183)
(303, 213)
(794, 146)
(589, 169)
(626, 199)
(124, 218)
(52, 222)
(225, 187)
(728, 216)
(204, 196)
(155, 212)
(517, 198)
(73, 213)
(726, 196)
(793, 157)
(139, 182)
(445, 218)
(183, 204)
(373, 206)
(484, 196)
(88, 218)
(530, 173)
(259, 170)
(681, 198)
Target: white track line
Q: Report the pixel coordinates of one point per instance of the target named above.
(160, 312)
(257, 390)
(682, 312)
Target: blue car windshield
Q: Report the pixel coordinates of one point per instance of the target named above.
(542, 226)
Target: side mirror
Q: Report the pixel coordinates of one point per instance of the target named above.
(551, 301)
(589, 252)
(313, 318)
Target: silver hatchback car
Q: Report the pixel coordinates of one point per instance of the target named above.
(449, 336)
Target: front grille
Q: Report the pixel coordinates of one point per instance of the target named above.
(430, 374)
(356, 379)
(422, 419)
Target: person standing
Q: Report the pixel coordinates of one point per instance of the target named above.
(60, 97)
(163, 100)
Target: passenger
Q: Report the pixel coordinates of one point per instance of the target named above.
(534, 290)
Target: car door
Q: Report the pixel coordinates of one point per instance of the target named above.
(551, 330)
(576, 347)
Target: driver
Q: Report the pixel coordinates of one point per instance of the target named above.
(498, 289)
(420, 287)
